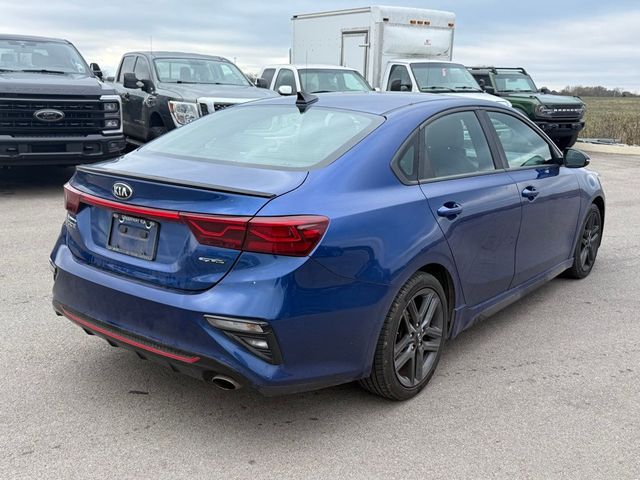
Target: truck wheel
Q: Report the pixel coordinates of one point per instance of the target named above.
(566, 142)
(155, 132)
(411, 340)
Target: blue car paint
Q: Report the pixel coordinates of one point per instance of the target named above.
(327, 309)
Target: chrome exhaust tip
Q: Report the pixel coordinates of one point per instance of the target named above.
(225, 383)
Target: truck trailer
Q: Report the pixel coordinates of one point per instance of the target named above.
(367, 39)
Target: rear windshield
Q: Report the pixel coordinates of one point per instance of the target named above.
(276, 136)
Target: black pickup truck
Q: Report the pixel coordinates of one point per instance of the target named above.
(161, 91)
(54, 108)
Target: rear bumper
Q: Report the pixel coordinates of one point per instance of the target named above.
(15, 151)
(560, 128)
(326, 334)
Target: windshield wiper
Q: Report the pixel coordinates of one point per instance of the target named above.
(433, 89)
(322, 91)
(44, 70)
(467, 87)
(7, 70)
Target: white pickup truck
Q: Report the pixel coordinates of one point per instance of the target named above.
(289, 79)
(394, 48)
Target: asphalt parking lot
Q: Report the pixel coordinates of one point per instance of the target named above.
(548, 388)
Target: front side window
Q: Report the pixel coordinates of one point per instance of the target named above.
(142, 69)
(286, 78)
(522, 146)
(198, 71)
(127, 67)
(515, 82)
(443, 77)
(455, 145)
(399, 79)
(268, 135)
(38, 55)
(324, 80)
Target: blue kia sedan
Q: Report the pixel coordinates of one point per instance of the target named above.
(295, 243)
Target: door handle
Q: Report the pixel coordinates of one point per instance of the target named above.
(450, 210)
(530, 192)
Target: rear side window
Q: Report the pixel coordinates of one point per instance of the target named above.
(455, 145)
(127, 67)
(267, 75)
(522, 146)
(276, 136)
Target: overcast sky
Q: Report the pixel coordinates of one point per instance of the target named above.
(561, 42)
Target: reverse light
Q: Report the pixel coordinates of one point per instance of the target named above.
(183, 112)
(257, 336)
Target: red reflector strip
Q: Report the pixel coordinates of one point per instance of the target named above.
(128, 341)
(72, 193)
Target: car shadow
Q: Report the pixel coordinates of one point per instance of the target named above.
(40, 179)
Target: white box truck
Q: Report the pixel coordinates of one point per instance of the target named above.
(394, 48)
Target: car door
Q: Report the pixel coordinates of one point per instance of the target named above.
(549, 193)
(127, 66)
(475, 202)
(138, 100)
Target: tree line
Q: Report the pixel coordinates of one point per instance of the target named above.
(599, 91)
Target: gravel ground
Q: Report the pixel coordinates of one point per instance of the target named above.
(548, 388)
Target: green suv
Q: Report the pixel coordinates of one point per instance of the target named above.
(561, 117)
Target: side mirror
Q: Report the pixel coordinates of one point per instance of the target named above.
(285, 90)
(261, 83)
(95, 69)
(377, 89)
(489, 90)
(130, 81)
(575, 158)
(110, 79)
(545, 90)
(396, 85)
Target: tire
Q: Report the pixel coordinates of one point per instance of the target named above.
(587, 246)
(402, 347)
(566, 142)
(155, 132)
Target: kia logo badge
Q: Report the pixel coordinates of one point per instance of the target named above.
(49, 115)
(121, 190)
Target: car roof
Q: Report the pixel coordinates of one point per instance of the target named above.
(382, 103)
(30, 38)
(422, 60)
(165, 54)
(310, 65)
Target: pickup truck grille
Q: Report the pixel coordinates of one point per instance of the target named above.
(206, 105)
(81, 117)
(222, 106)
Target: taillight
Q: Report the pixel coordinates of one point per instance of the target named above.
(71, 199)
(295, 235)
(226, 232)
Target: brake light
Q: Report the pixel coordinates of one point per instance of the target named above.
(226, 232)
(294, 235)
(71, 199)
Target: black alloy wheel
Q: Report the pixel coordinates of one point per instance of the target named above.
(411, 340)
(588, 244)
(418, 337)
